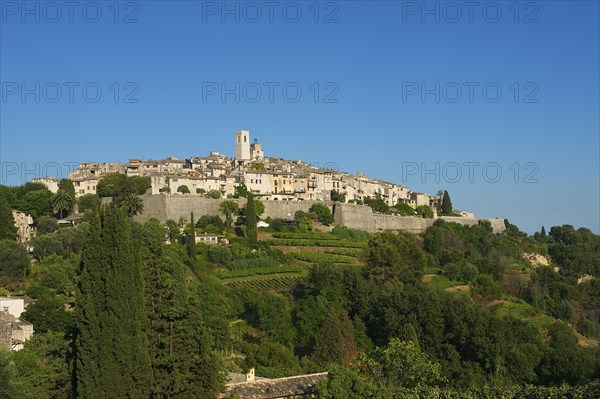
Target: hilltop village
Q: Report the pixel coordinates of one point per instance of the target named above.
(268, 178)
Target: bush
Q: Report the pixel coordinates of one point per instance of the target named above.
(220, 255)
(587, 328)
(323, 213)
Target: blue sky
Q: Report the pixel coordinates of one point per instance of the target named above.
(387, 88)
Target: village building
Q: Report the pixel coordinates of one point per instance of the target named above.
(51, 183)
(268, 178)
(248, 386)
(14, 331)
(24, 225)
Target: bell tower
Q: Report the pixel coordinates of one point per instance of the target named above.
(242, 145)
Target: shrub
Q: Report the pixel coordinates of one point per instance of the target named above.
(323, 213)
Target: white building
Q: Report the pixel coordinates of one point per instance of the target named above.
(51, 183)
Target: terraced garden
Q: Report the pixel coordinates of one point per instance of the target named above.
(314, 247)
(304, 249)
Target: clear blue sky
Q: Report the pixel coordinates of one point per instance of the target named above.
(372, 57)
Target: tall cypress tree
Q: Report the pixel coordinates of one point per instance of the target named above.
(251, 218)
(446, 204)
(543, 232)
(181, 349)
(8, 230)
(192, 238)
(112, 348)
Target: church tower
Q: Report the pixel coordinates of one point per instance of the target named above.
(242, 145)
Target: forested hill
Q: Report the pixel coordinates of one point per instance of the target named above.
(454, 311)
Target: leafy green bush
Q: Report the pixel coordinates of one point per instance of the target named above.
(323, 213)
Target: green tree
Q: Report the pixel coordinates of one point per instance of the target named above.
(334, 340)
(240, 191)
(404, 209)
(37, 203)
(446, 204)
(183, 362)
(337, 196)
(378, 204)
(14, 260)
(88, 202)
(344, 383)
(229, 208)
(192, 238)
(424, 211)
(62, 202)
(41, 370)
(251, 219)
(46, 224)
(183, 189)
(8, 230)
(111, 313)
(173, 231)
(48, 314)
(6, 373)
(119, 186)
(400, 364)
(394, 257)
(323, 213)
(67, 186)
(133, 205)
(214, 194)
(543, 232)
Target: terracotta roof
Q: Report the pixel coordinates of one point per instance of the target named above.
(300, 385)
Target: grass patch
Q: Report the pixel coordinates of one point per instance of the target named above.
(441, 282)
(234, 274)
(354, 252)
(308, 256)
(266, 283)
(317, 243)
(315, 235)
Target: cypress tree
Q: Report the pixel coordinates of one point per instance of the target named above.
(181, 349)
(8, 230)
(112, 349)
(192, 238)
(251, 219)
(446, 204)
(543, 232)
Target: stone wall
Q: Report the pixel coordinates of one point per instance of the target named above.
(173, 206)
(361, 217)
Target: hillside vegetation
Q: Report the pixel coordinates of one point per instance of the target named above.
(454, 312)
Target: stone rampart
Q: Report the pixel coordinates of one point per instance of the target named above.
(361, 217)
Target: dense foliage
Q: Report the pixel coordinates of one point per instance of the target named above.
(127, 309)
